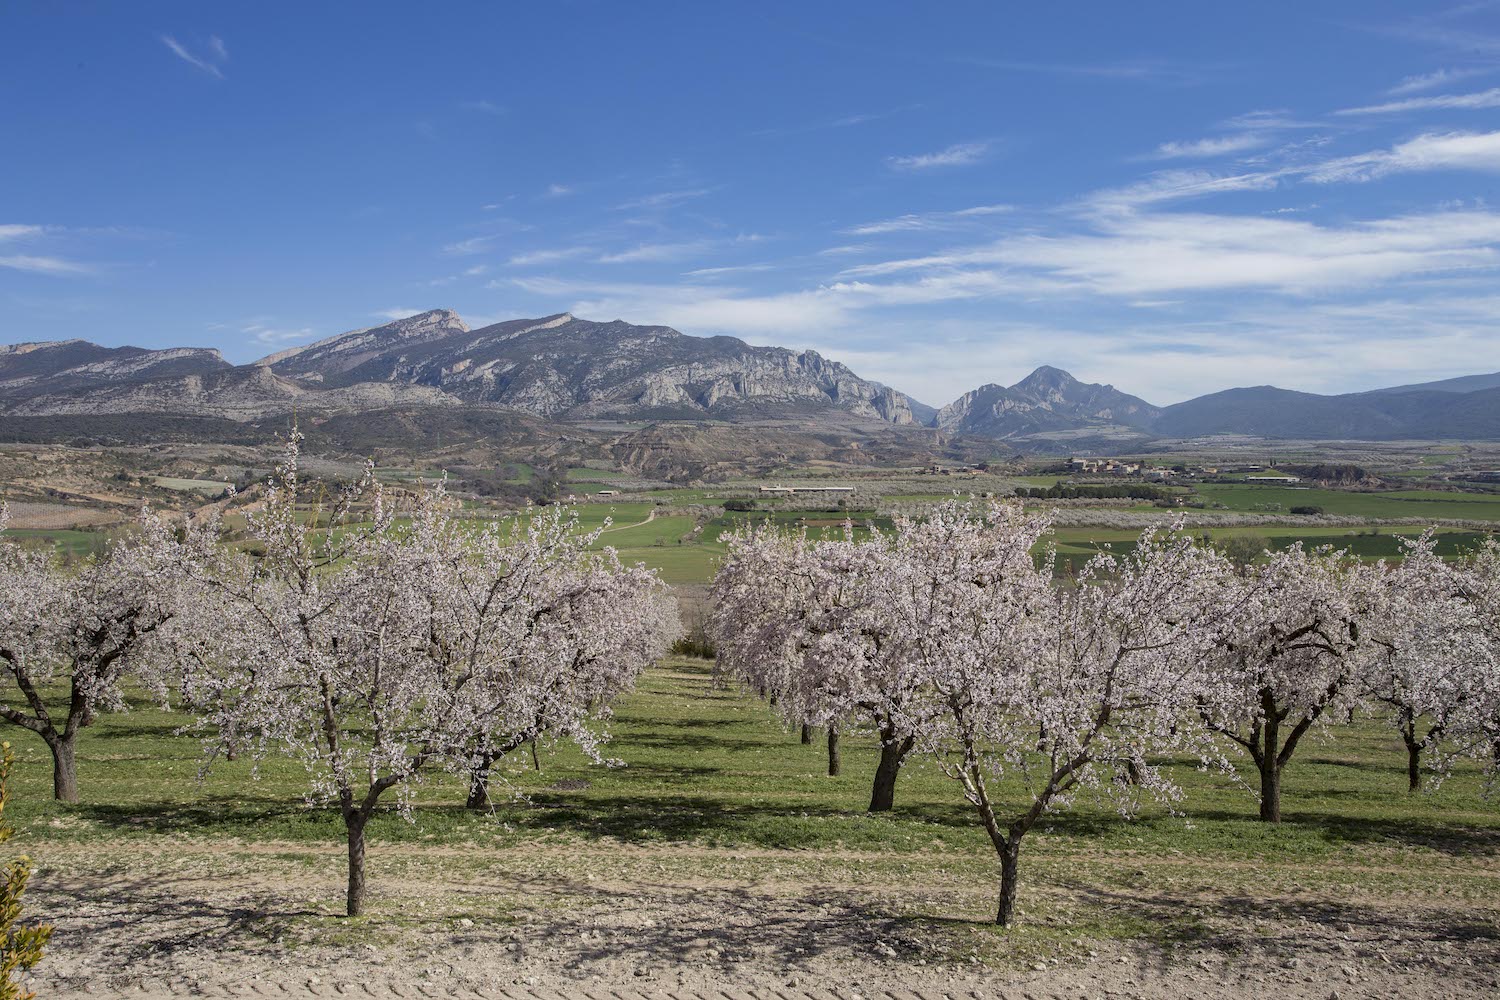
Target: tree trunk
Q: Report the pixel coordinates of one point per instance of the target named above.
(355, 824)
(479, 788)
(833, 752)
(806, 734)
(1268, 758)
(1413, 755)
(1010, 859)
(893, 754)
(64, 767)
(1270, 790)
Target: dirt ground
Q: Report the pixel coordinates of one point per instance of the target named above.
(262, 921)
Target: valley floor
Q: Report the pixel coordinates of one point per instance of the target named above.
(721, 861)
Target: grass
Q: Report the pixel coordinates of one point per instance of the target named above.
(210, 486)
(714, 791)
(69, 541)
(710, 766)
(1396, 503)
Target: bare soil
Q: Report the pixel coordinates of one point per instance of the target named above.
(231, 920)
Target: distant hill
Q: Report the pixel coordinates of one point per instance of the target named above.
(563, 368)
(555, 366)
(1266, 411)
(1464, 383)
(1049, 399)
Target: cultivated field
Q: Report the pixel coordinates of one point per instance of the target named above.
(720, 854)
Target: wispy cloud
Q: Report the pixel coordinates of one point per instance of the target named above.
(1440, 102)
(212, 59)
(43, 265)
(557, 191)
(922, 221)
(1437, 78)
(395, 314)
(958, 155)
(552, 256)
(719, 272)
(1216, 146)
(1177, 185)
(483, 107)
(1267, 119)
(1451, 151)
(469, 247)
(268, 335)
(650, 252)
(16, 231)
(662, 199)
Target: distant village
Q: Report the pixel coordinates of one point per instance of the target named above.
(1136, 470)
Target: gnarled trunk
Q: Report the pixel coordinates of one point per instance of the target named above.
(1010, 880)
(354, 823)
(479, 784)
(1413, 754)
(834, 763)
(806, 734)
(64, 767)
(1270, 790)
(893, 753)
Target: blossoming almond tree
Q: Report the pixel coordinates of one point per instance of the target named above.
(1474, 728)
(546, 632)
(1428, 657)
(811, 624)
(352, 644)
(87, 629)
(1058, 689)
(1295, 657)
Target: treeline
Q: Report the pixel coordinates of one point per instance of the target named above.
(947, 638)
(374, 637)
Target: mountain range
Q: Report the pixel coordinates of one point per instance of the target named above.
(562, 368)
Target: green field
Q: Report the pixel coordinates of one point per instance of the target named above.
(208, 486)
(1395, 504)
(709, 768)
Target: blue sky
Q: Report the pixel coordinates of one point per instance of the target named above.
(1172, 197)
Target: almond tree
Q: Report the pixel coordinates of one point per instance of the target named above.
(1428, 656)
(1295, 656)
(811, 624)
(547, 632)
(351, 644)
(1058, 690)
(87, 629)
(1473, 728)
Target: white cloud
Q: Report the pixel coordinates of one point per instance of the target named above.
(557, 190)
(16, 232)
(662, 199)
(1201, 148)
(958, 155)
(917, 221)
(1174, 185)
(395, 314)
(651, 252)
(269, 336)
(1266, 119)
(1152, 254)
(1437, 78)
(534, 257)
(210, 62)
(1440, 102)
(1451, 151)
(43, 265)
(469, 247)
